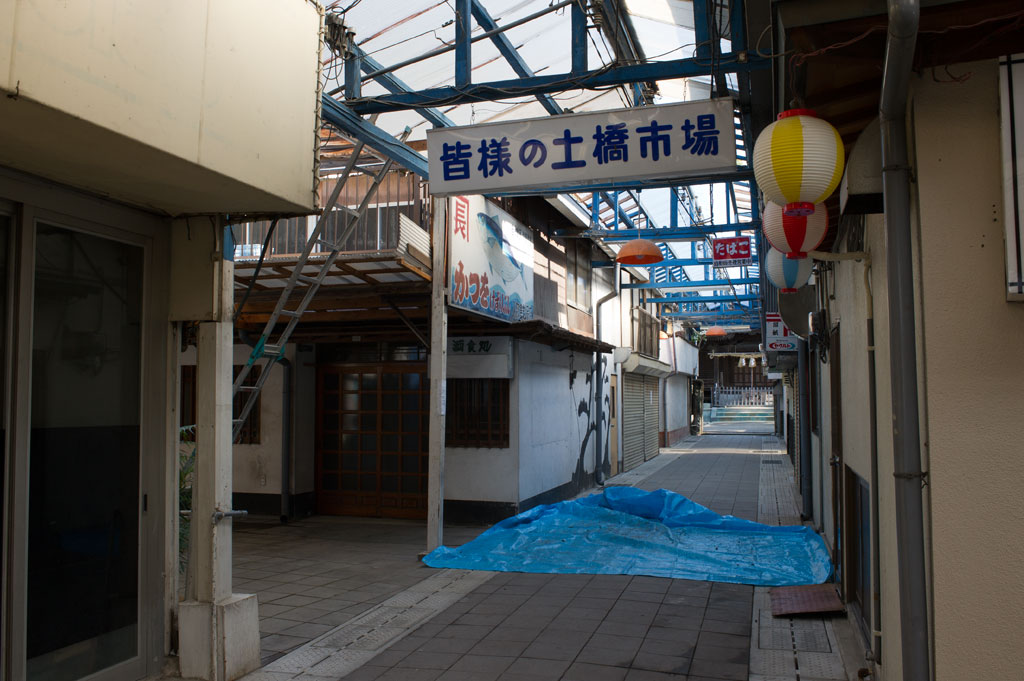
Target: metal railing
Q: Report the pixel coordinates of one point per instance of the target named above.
(741, 396)
(377, 229)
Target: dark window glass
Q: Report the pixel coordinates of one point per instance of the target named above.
(478, 412)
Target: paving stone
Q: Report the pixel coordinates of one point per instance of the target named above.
(676, 635)
(505, 632)
(603, 655)
(428, 660)
(453, 675)
(666, 647)
(538, 669)
(489, 664)
(712, 638)
(447, 645)
(728, 614)
(280, 643)
(647, 675)
(626, 628)
(389, 657)
(307, 630)
(409, 643)
(642, 596)
(474, 619)
(582, 671)
(563, 647)
(497, 648)
(737, 628)
(406, 674)
(676, 664)
(473, 632)
(719, 670)
(365, 673)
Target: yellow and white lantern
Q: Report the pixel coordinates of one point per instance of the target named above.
(798, 161)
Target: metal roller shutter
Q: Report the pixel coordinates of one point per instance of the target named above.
(652, 412)
(632, 421)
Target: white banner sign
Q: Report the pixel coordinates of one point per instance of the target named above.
(491, 263)
(576, 150)
(777, 336)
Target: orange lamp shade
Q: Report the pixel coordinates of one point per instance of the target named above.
(639, 252)
(714, 331)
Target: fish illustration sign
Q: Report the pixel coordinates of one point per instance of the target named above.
(491, 261)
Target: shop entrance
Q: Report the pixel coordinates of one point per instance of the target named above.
(372, 440)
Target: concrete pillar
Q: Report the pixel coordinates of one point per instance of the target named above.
(218, 632)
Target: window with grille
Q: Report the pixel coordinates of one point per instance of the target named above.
(250, 433)
(478, 412)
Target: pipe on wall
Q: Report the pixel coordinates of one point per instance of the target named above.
(804, 410)
(876, 571)
(904, 16)
(599, 383)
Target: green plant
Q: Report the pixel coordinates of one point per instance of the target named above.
(186, 467)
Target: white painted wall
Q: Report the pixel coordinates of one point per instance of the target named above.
(256, 469)
(551, 431)
(969, 385)
(676, 408)
(973, 371)
(212, 90)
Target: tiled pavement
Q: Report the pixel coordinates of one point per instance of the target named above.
(315, 574)
(513, 627)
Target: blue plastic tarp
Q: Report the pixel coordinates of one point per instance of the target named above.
(628, 531)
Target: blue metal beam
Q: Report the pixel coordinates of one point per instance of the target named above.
(393, 83)
(463, 46)
(667, 262)
(663, 233)
(536, 85)
(579, 39)
(706, 299)
(741, 173)
(706, 284)
(508, 51)
(337, 114)
(713, 313)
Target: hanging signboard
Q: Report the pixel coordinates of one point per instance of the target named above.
(732, 251)
(777, 336)
(577, 150)
(491, 261)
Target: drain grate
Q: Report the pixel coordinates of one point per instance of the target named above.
(770, 462)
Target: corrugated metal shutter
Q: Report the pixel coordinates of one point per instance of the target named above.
(632, 421)
(652, 411)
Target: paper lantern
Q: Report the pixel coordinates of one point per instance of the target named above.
(639, 252)
(714, 332)
(798, 161)
(787, 274)
(794, 235)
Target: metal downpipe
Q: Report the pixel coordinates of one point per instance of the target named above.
(804, 411)
(904, 16)
(599, 384)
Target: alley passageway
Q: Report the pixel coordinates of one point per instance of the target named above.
(344, 598)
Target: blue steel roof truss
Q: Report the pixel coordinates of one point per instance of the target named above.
(670, 274)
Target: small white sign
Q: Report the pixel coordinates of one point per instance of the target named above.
(579, 150)
(777, 336)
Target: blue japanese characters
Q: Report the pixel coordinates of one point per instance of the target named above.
(575, 149)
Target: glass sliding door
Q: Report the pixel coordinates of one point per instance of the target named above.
(84, 501)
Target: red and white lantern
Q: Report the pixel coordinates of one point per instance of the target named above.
(794, 235)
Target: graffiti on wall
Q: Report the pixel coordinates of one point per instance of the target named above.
(582, 393)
